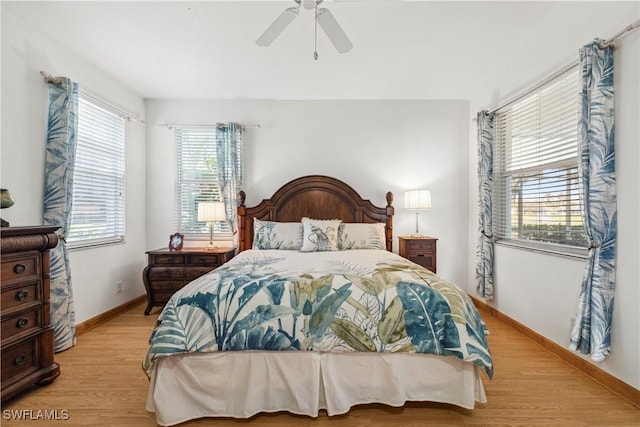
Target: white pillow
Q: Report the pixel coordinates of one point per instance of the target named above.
(362, 236)
(277, 235)
(320, 235)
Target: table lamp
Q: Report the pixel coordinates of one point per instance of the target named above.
(211, 212)
(417, 200)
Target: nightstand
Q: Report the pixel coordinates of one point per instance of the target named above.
(169, 270)
(421, 250)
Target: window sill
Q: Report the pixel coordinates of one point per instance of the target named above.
(91, 244)
(573, 252)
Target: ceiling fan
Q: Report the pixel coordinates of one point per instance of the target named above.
(323, 17)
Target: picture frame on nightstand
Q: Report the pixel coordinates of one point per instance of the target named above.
(176, 241)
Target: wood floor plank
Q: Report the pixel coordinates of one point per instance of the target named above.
(102, 384)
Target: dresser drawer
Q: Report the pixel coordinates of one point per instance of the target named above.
(20, 266)
(167, 259)
(166, 272)
(21, 294)
(20, 359)
(21, 323)
(199, 259)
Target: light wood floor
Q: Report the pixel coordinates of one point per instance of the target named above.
(102, 384)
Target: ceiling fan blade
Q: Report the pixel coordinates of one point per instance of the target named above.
(333, 30)
(277, 26)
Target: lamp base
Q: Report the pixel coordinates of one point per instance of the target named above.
(211, 246)
(417, 235)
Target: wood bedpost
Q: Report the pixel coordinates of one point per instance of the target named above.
(242, 210)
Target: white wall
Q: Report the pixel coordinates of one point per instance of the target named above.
(26, 51)
(541, 291)
(375, 146)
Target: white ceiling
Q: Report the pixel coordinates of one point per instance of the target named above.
(207, 50)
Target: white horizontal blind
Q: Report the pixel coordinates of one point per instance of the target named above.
(536, 196)
(196, 178)
(97, 214)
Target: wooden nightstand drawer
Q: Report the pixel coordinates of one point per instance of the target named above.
(20, 266)
(417, 245)
(423, 260)
(168, 259)
(210, 260)
(421, 250)
(195, 272)
(167, 273)
(168, 285)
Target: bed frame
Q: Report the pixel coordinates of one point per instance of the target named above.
(313, 196)
(189, 386)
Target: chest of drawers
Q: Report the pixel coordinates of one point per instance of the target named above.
(421, 250)
(27, 334)
(167, 271)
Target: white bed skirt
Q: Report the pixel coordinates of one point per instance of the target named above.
(242, 384)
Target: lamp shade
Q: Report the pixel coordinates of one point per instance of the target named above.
(418, 200)
(211, 211)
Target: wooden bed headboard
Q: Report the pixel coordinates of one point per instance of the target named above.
(313, 196)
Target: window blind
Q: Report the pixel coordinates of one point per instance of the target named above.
(196, 178)
(97, 215)
(536, 196)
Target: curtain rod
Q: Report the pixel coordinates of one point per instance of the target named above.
(634, 26)
(48, 78)
(178, 125)
(568, 67)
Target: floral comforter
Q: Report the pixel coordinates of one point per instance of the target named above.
(345, 301)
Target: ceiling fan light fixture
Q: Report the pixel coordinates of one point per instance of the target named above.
(309, 4)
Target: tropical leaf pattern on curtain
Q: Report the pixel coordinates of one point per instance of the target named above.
(591, 333)
(360, 300)
(484, 249)
(59, 160)
(229, 156)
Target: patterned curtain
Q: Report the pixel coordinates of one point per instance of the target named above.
(229, 155)
(484, 250)
(591, 332)
(60, 157)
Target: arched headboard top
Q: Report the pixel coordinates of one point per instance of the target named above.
(313, 196)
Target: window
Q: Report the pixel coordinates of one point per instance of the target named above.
(197, 176)
(536, 198)
(97, 215)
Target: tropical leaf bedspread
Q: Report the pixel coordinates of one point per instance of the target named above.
(343, 301)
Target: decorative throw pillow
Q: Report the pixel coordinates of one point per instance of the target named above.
(361, 236)
(277, 235)
(320, 235)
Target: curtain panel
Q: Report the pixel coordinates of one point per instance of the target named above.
(591, 333)
(229, 155)
(62, 125)
(484, 249)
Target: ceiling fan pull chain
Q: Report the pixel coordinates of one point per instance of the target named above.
(315, 34)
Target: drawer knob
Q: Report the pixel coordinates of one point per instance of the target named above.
(21, 323)
(22, 294)
(19, 268)
(20, 359)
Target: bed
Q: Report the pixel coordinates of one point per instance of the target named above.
(314, 313)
